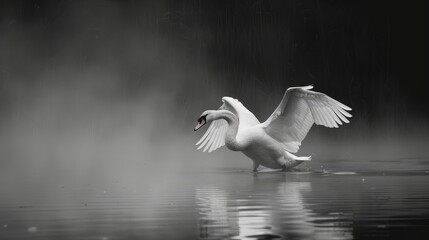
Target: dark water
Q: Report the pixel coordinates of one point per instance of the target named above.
(229, 203)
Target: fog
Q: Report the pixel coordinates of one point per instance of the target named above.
(99, 91)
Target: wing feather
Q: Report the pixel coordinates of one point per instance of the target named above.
(205, 134)
(329, 117)
(316, 116)
(221, 136)
(299, 109)
(217, 141)
(335, 117)
(209, 131)
(212, 135)
(342, 110)
(316, 107)
(225, 128)
(209, 136)
(339, 114)
(215, 138)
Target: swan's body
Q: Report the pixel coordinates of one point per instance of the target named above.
(272, 142)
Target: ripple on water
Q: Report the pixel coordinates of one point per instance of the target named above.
(243, 205)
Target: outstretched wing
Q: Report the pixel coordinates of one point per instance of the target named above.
(299, 109)
(214, 137)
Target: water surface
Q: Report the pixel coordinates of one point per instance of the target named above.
(228, 203)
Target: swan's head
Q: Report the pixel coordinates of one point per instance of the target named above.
(206, 117)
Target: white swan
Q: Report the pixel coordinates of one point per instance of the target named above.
(271, 143)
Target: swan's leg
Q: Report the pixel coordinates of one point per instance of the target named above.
(255, 166)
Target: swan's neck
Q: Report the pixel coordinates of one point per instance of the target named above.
(231, 134)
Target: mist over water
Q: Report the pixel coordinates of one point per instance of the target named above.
(88, 96)
(100, 98)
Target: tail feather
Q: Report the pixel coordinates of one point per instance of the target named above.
(303, 158)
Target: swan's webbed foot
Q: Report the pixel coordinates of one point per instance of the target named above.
(255, 166)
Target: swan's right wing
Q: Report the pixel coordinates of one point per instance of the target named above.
(214, 137)
(299, 109)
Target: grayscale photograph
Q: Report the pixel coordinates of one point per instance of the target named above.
(199, 119)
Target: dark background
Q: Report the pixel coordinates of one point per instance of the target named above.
(368, 54)
(86, 81)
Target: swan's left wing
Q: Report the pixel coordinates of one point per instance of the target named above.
(299, 109)
(214, 137)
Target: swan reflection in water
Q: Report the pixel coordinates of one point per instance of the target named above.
(276, 210)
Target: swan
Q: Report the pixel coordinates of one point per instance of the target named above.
(272, 142)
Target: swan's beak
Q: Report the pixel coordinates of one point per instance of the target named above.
(200, 124)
